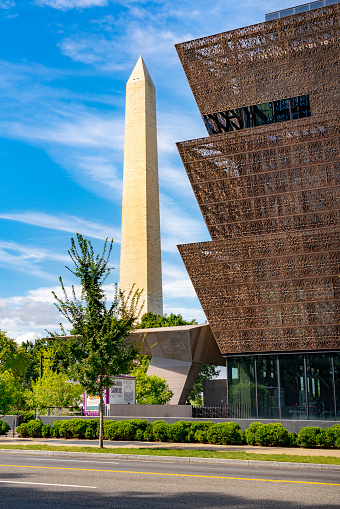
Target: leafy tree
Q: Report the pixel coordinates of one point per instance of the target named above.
(102, 349)
(13, 357)
(150, 320)
(150, 389)
(11, 395)
(60, 354)
(53, 390)
(207, 372)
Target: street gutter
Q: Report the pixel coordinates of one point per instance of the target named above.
(173, 459)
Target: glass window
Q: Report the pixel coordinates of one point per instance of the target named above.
(316, 5)
(267, 387)
(320, 386)
(281, 110)
(286, 12)
(304, 106)
(264, 114)
(337, 383)
(294, 107)
(301, 8)
(241, 387)
(271, 16)
(292, 382)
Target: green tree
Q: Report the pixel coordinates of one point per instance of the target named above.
(13, 357)
(11, 394)
(207, 372)
(53, 389)
(150, 320)
(59, 353)
(103, 348)
(151, 389)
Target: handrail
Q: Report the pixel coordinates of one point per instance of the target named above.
(18, 417)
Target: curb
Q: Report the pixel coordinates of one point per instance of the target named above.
(174, 459)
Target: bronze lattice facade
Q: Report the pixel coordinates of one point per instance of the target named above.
(267, 183)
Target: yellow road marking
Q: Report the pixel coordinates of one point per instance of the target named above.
(173, 475)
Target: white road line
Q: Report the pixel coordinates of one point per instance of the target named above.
(49, 484)
(30, 458)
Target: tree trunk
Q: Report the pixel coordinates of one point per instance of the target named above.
(101, 414)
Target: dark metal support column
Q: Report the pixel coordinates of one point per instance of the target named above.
(334, 391)
(256, 397)
(306, 385)
(279, 385)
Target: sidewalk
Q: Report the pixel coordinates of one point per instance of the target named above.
(7, 440)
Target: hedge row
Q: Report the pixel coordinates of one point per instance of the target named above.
(271, 435)
(4, 427)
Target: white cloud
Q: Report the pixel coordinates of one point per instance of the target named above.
(29, 336)
(63, 222)
(178, 226)
(6, 4)
(22, 316)
(187, 313)
(176, 282)
(27, 259)
(29, 316)
(64, 5)
(111, 53)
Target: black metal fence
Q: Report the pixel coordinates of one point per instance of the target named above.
(222, 412)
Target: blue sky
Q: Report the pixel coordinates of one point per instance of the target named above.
(63, 69)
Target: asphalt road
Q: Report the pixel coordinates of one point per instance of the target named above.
(53, 482)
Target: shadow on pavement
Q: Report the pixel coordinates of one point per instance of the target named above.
(28, 497)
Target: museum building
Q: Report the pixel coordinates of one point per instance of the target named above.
(266, 179)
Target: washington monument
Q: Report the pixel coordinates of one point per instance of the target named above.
(140, 257)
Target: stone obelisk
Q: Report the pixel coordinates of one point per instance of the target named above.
(140, 258)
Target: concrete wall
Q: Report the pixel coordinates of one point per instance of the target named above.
(145, 411)
(244, 423)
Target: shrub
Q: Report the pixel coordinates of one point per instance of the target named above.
(110, 430)
(92, 428)
(149, 434)
(198, 432)
(251, 432)
(77, 428)
(64, 429)
(161, 431)
(22, 430)
(179, 431)
(34, 428)
(308, 436)
(55, 429)
(272, 435)
(292, 439)
(225, 433)
(4, 427)
(30, 416)
(139, 435)
(328, 437)
(136, 426)
(46, 431)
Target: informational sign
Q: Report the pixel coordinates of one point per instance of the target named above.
(92, 402)
(123, 392)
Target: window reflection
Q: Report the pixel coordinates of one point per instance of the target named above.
(285, 386)
(258, 114)
(320, 386)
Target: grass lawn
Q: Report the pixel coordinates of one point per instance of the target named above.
(198, 453)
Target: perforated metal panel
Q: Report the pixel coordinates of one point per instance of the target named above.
(270, 195)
